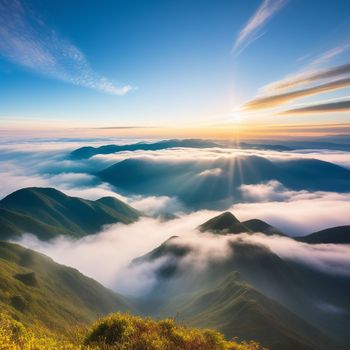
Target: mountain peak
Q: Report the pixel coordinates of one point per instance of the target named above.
(224, 223)
(257, 225)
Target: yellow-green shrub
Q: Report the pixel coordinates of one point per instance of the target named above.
(124, 332)
(117, 332)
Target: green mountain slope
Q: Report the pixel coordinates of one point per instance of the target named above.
(236, 309)
(334, 235)
(47, 212)
(36, 290)
(217, 296)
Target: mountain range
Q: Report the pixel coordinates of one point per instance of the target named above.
(216, 184)
(249, 293)
(252, 292)
(89, 151)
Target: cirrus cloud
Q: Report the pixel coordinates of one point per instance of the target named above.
(25, 40)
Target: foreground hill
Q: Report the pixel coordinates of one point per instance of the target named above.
(334, 235)
(213, 184)
(37, 291)
(47, 212)
(88, 151)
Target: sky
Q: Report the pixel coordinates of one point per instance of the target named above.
(175, 68)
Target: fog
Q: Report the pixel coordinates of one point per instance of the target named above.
(106, 256)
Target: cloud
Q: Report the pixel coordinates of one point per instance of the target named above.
(280, 99)
(324, 257)
(25, 40)
(339, 106)
(252, 30)
(307, 77)
(329, 55)
(295, 213)
(153, 205)
(211, 172)
(119, 244)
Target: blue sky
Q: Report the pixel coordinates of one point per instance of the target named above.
(165, 63)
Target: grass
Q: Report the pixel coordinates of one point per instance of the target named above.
(117, 332)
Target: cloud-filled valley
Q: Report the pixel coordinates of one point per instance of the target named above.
(283, 206)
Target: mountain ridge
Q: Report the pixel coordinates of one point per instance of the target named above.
(47, 213)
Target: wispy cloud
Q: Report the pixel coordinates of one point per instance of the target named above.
(312, 71)
(25, 40)
(339, 106)
(329, 55)
(252, 30)
(280, 99)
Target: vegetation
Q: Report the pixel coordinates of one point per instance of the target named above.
(48, 213)
(118, 332)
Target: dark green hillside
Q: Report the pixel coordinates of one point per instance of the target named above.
(36, 290)
(334, 235)
(47, 212)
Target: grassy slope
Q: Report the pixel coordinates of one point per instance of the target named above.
(47, 213)
(236, 309)
(36, 290)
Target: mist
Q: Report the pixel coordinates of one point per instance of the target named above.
(106, 256)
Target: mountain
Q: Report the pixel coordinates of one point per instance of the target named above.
(227, 223)
(87, 152)
(263, 146)
(37, 291)
(219, 296)
(238, 310)
(224, 223)
(256, 225)
(334, 235)
(216, 184)
(304, 307)
(47, 212)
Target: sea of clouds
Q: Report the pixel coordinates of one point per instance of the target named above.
(106, 255)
